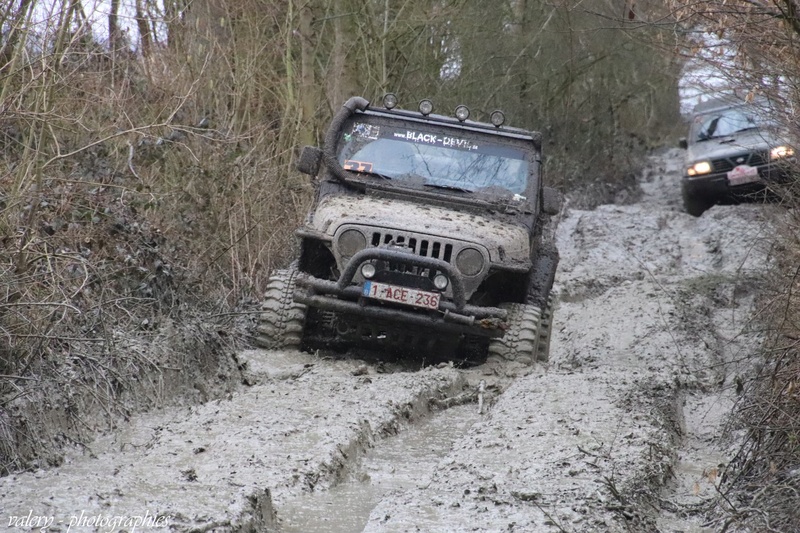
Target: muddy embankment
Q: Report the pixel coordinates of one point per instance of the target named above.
(622, 431)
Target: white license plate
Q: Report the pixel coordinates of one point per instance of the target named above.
(402, 295)
(743, 174)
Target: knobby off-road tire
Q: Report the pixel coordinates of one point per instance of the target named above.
(521, 340)
(281, 322)
(545, 331)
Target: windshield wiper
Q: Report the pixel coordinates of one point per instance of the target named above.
(446, 187)
(370, 173)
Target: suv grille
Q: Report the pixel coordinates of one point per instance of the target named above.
(753, 159)
(420, 245)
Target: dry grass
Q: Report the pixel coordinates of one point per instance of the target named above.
(133, 204)
(765, 478)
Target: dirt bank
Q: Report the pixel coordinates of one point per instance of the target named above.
(620, 432)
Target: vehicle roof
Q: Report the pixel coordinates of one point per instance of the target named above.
(727, 101)
(719, 102)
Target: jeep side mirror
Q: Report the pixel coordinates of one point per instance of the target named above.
(682, 143)
(551, 201)
(310, 159)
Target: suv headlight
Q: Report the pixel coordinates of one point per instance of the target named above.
(350, 242)
(469, 261)
(701, 167)
(780, 152)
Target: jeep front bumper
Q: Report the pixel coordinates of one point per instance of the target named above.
(453, 315)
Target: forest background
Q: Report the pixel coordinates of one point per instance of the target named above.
(147, 151)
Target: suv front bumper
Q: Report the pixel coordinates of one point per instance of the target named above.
(716, 185)
(453, 315)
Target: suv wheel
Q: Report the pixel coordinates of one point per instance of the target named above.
(280, 324)
(521, 340)
(695, 206)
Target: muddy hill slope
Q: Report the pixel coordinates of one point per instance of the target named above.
(622, 431)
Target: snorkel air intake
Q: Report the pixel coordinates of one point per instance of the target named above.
(356, 103)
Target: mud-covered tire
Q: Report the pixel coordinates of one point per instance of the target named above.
(545, 331)
(521, 339)
(695, 205)
(281, 321)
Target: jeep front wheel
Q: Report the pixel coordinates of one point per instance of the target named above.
(281, 321)
(521, 339)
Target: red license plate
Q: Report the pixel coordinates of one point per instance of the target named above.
(402, 295)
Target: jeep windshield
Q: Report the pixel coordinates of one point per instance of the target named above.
(416, 155)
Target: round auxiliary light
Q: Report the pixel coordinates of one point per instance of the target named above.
(390, 101)
(440, 281)
(462, 113)
(368, 270)
(350, 242)
(469, 261)
(497, 118)
(425, 107)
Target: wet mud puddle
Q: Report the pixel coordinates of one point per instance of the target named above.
(402, 462)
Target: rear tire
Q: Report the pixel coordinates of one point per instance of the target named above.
(521, 339)
(281, 322)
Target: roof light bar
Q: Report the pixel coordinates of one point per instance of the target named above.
(497, 118)
(425, 107)
(390, 100)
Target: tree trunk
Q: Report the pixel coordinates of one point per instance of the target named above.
(13, 22)
(144, 29)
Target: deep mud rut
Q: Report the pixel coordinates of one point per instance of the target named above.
(622, 431)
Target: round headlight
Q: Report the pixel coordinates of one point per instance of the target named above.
(350, 242)
(368, 270)
(469, 261)
(425, 107)
(497, 118)
(440, 281)
(390, 101)
(462, 113)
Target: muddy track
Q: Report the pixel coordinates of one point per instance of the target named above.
(620, 432)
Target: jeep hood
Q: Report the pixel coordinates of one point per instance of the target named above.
(745, 141)
(507, 243)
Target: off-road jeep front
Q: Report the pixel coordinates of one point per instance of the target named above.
(425, 237)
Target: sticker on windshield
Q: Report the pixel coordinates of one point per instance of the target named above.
(366, 131)
(357, 166)
(438, 140)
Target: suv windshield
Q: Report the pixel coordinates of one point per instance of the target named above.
(420, 156)
(724, 122)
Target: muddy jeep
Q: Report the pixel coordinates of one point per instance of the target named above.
(425, 238)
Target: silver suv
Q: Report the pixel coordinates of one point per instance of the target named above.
(733, 151)
(425, 238)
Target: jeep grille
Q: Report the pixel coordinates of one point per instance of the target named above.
(420, 245)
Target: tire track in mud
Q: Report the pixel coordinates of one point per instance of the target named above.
(623, 422)
(626, 420)
(226, 465)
